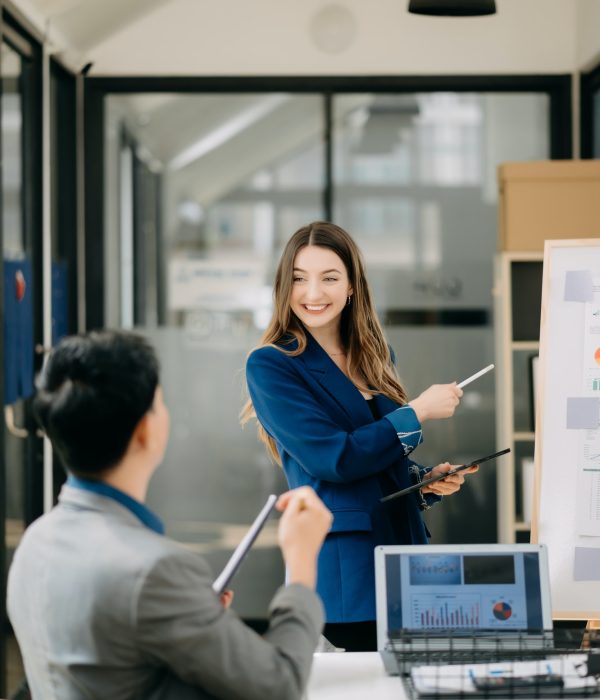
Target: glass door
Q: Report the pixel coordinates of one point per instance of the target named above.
(21, 239)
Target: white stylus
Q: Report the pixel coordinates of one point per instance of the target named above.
(475, 376)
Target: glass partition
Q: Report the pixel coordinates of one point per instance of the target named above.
(415, 181)
(201, 193)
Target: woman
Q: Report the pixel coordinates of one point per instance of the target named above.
(332, 411)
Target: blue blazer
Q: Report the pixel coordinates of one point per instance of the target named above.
(328, 439)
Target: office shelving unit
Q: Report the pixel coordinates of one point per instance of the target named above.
(537, 201)
(517, 301)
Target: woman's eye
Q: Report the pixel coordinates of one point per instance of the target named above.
(298, 279)
(331, 279)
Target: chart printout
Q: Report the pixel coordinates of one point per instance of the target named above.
(588, 457)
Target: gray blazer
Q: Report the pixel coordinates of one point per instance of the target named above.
(105, 608)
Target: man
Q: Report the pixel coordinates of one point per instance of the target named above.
(102, 604)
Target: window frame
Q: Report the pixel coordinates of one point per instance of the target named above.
(557, 87)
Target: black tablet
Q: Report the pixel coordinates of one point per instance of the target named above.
(439, 477)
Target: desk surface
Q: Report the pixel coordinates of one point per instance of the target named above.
(352, 676)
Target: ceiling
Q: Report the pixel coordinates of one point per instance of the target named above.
(84, 24)
(314, 37)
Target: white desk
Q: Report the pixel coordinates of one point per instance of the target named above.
(352, 676)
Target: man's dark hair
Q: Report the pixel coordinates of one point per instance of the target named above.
(91, 395)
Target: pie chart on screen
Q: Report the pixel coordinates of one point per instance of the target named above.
(597, 356)
(502, 611)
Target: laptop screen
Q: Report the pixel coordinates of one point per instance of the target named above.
(466, 587)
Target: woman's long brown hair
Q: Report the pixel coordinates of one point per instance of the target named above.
(367, 352)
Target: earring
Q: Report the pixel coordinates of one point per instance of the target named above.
(348, 301)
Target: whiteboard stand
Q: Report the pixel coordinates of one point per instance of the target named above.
(564, 515)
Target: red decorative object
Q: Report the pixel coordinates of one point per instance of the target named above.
(20, 285)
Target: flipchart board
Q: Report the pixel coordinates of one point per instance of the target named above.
(566, 507)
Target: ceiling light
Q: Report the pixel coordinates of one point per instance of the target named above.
(452, 8)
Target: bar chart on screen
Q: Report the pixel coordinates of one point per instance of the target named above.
(443, 612)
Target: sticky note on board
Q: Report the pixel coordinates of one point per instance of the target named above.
(578, 286)
(587, 564)
(583, 413)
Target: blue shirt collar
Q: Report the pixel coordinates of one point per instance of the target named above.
(141, 512)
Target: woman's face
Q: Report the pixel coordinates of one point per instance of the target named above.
(320, 287)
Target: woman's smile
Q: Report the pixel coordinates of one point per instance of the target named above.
(315, 308)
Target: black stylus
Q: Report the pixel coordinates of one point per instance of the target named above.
(439, 477)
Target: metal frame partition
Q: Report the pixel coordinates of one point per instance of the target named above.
(2, 465)
(28, 47)
(48, 108)
(589, 84)
(83, 183)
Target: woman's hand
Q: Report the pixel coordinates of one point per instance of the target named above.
(449, 485)
(438, 401)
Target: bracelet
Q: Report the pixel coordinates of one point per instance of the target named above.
(415, 475)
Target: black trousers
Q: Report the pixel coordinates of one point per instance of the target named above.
(352, 636)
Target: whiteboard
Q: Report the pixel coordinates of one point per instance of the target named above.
(566, 507)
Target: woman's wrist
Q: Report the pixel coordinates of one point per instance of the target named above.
(415, 475)
(419, 409)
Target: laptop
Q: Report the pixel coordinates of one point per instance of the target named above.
(439, 599)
